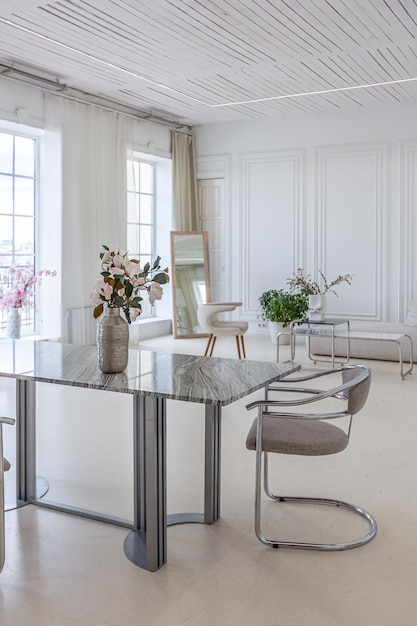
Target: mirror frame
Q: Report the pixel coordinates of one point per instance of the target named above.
(204, 235)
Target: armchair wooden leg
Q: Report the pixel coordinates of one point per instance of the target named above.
(243, 346)
(208, 345)
(238, 346)
(213, 341)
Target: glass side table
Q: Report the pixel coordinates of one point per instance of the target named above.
(318, 328)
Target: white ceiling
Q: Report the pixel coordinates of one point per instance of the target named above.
(182, 58)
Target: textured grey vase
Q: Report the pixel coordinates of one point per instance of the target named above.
(112, 341)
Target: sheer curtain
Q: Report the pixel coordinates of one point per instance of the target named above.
(185, 200)
(94, 146)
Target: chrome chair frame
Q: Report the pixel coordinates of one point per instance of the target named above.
(341, 392)
(11, 421)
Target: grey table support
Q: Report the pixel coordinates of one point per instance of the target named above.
(146, 544)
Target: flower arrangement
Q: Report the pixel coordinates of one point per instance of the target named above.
(124, 280)
(21, 285)
(303, 281)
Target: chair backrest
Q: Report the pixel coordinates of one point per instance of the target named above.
(207, 313)
(356, 394)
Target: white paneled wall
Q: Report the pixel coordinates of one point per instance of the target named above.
(332, 192)
(272, 216)
(351, 192)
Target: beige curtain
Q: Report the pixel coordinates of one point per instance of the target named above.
(184, 184)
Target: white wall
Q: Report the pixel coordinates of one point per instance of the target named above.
(330, 191)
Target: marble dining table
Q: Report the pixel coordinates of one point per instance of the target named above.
(151, 378)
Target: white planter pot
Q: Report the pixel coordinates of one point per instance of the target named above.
(277, 327)
(316, 308)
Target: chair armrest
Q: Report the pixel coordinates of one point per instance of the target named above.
(7, 420)
(304, 416)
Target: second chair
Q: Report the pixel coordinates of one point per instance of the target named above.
(211, 324)
(283, 428)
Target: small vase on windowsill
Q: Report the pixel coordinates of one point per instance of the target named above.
(14, 322)
(112, 341)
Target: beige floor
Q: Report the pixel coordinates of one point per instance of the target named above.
(62, 570)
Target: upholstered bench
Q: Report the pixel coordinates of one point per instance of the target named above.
(403, 341)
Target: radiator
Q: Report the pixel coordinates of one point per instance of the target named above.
(80, 326)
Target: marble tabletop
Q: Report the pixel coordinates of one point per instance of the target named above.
(207, 380)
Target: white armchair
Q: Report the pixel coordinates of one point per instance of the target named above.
(209, 322)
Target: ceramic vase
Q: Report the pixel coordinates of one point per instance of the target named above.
(316, 307)
(14, 323)
(274, 329)
(112, 341)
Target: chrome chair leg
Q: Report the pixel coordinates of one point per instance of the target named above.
(275, 543)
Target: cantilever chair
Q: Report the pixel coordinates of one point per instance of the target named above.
(4, 466)
(288, 427)
(209, 322)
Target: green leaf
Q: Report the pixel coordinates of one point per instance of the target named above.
(161, 278)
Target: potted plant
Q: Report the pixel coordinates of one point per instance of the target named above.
(280, 308)
(316, 292)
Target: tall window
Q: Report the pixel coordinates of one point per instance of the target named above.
(17, 209)
(140, 215)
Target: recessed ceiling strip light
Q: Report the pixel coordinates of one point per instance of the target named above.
(316, 93)
(181, 93)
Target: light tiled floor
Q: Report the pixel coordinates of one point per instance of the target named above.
(62, 570)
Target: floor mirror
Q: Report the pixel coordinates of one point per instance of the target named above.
(190, 280)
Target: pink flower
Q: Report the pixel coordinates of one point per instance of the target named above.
(20, 285)
(118, 261)
(155, 293)
(132, 269)
(134, 313)
(116, 271)
(102, 291)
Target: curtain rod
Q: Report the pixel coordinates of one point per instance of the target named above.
(62, 90)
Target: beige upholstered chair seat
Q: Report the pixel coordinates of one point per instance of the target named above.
(304, 437)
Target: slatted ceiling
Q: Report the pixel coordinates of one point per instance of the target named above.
(221, 50)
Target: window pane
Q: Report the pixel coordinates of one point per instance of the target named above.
(144, 259)
(24, 156)
(145, 238)
(132, 207)
(6, 194)
(132, 240)
(6, 235)
(146, 178)
(146, 209)
(23, 235)
(6, 153)
(24, 196)
(132, 176)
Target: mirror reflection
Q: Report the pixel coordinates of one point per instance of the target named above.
(190, 280)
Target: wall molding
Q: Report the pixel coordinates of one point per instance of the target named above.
(377, 154)
(408, 226)
(249, 268)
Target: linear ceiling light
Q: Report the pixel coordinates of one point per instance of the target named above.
(31, 79)
(181, 93)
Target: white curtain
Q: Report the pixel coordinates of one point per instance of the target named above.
(185, 200)
(94, 145)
